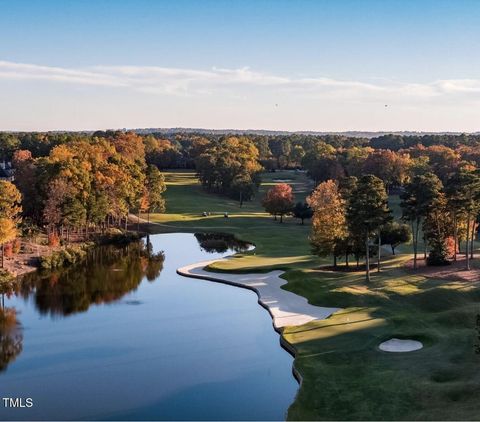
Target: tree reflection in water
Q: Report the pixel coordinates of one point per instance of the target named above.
(107, 274)
(221, 242)
(11, 337)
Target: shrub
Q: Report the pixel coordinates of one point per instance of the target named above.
(63, 258)
(438, 254)
(8, 250)
(450, 246)
(7, 281)
(53, 240)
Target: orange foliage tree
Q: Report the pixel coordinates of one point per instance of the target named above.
(279, 200)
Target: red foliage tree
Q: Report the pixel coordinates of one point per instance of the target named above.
(279, 200)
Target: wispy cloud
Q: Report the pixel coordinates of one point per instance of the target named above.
(175, 81)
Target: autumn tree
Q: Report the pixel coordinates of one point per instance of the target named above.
(278, 200)
(10, 201)
(8, 232)
(329, 227)
(443, 161)
(196, 147)
(389, 166)
(10, 209)
(161, 152)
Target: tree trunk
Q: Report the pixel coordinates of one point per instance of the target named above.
(455, 236)
(281, 218)
(472, 241)
(367, 258)
(415, 242)
(379, 252)
(393, 249)
(302, 221)
(334, 261)
(424, 247)
(467, 244)
(241, 199)
(346, 259)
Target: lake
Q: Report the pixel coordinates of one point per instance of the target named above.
(122, 336)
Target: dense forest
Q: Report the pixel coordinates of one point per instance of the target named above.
(64, 182)
(73, 183)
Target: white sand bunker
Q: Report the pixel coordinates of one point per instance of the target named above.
(399, 345)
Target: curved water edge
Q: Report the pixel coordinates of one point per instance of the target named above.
(285, 308)
(290, 348)
(87, 312)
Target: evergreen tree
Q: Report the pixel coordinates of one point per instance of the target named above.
(367, 211)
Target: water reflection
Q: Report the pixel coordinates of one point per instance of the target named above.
(221, 242)
(109, 273)
(149, 354)
(11, 337)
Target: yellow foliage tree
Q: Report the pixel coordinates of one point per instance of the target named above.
(8, 232)
(10, 200)
(329, 226)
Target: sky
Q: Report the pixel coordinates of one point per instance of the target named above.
(293, 65)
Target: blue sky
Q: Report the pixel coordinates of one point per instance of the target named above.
(292, 65)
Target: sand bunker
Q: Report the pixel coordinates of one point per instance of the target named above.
(286, 308)
(399, 345)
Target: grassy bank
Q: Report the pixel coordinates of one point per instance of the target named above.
(345, 375)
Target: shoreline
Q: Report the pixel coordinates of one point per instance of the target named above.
(24, 263)
(284, 307)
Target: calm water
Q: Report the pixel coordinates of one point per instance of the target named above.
(125, 337)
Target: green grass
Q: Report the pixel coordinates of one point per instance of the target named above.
(345, 375)
(277, 245)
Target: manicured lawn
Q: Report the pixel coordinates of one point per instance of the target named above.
(345, 375)
(277, 245)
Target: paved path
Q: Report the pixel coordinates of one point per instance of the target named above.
(286, 308)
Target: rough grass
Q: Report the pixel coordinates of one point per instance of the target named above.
(345, 376)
